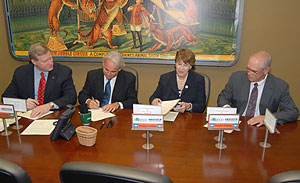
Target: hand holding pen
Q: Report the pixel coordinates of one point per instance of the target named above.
(93, 103)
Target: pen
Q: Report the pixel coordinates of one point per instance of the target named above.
(101, 126)
(110, 124)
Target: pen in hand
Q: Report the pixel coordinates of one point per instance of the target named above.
(101, 126)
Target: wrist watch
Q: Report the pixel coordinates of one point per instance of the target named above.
(51, 105)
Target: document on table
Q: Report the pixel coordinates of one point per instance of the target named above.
(40, 127)
(28, 113)
(168, 105)
(98, 114)
(9, 121)
(171, 116)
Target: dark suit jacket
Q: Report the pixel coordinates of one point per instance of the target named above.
(59, 87)
(124, 89)
(193, 92)
(275, 95)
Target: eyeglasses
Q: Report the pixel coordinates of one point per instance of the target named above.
(254, 71)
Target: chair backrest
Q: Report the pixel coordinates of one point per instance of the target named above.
(12, 173)
(78, 172)
(207, 85)
(135, 73)
(286, 177)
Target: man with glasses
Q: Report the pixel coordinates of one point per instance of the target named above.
(110, 87)
(45, 85)
(254, 90)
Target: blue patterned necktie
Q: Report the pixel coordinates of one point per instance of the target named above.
(106, 95)
(252, 101)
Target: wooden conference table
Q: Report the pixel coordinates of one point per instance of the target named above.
(185, 151)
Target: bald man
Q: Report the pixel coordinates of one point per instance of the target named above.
(271, 92)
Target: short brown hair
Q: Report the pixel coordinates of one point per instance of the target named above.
(186, 55)
(37, 50)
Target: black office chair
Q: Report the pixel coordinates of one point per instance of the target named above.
(286, 177)
(207, 85)
(78, 172)
(135, 73)
(12, 173)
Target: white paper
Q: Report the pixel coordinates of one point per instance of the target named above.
(168, 105)
(28, 113)
(146, 109)
(220, 110)
(8, 123)
(98, 114)
(171, 116)
(40, 127)
(19, 104)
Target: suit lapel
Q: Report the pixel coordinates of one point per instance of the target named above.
(117, 87)
(99, 85)
(173, 83)
(50, 83)
(188, 82)
(245, 90)
(266, 94)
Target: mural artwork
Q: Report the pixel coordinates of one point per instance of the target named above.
(144, 31)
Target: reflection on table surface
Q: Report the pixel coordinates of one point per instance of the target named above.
(185, 151)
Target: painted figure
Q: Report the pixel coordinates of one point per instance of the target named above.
(138, 21)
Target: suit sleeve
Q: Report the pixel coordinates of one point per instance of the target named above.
(288, 111)
(84, 94)
(200, 103)
(131, 94)
(226, 95)
(68, 91)
(13, 89)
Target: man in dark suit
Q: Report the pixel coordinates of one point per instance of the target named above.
(58, 90)
(271, 92)
(110, 87)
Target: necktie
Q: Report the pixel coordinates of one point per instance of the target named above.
(252, 101)
(106, 95)
(41, 91)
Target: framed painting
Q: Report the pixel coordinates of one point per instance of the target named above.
(144, 31)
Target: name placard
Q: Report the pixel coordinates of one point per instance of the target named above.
(270, 121)
(7, 111)
(220, 110)
(147, 122)
(223, 121)
(19, 104)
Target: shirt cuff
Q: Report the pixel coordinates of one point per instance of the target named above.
(121, 105)
(189, 109)
(226, 105)
(55, 106)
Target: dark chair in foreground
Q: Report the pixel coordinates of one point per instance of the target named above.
(12, 173)
(286, 177)
(78, 172)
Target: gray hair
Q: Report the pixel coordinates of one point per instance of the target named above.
(38, 49)
(116, 58)
(265, 57)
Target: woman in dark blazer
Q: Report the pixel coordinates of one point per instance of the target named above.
(183, 83)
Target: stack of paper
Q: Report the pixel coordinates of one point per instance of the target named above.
(28, 113)
(168, 105)
(98, 114)
(40, 127)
